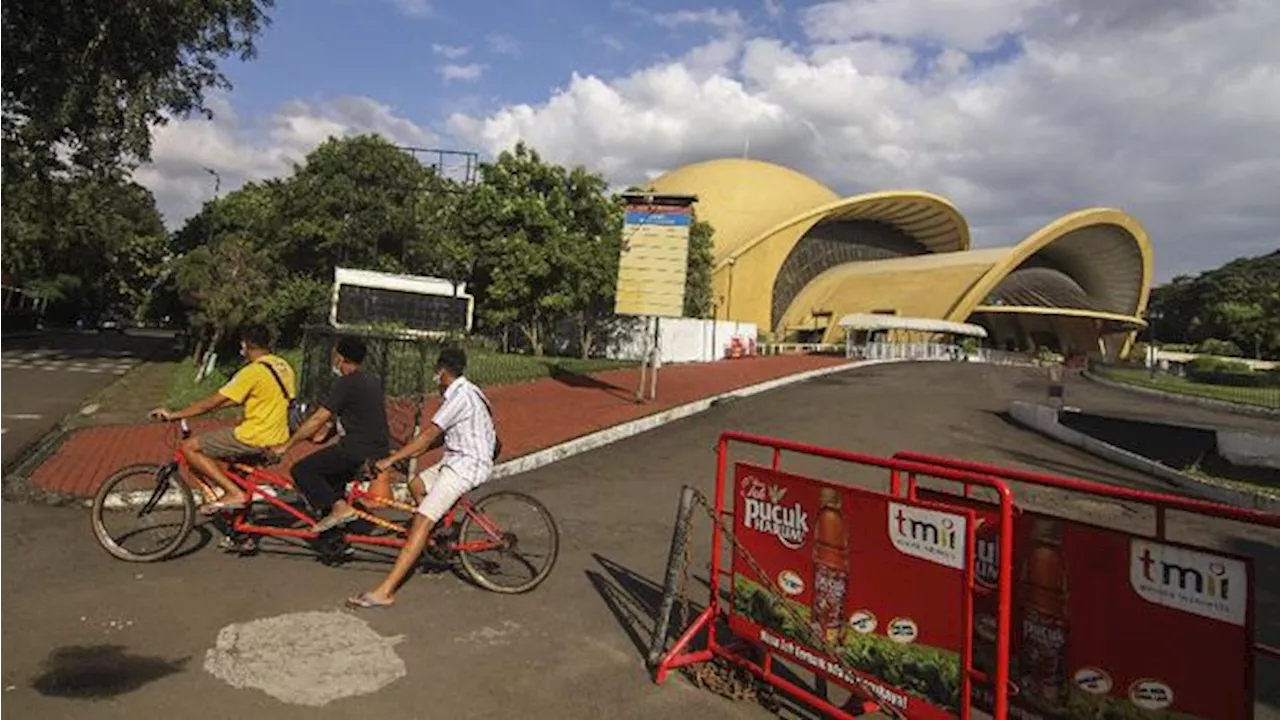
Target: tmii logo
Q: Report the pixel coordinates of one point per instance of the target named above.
(1197, 582)
(928, 534)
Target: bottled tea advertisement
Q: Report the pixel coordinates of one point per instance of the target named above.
(1115, 626)
(879, 580)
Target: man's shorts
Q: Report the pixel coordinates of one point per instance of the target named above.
(223, 444)
(443, 487)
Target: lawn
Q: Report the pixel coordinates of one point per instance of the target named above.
(1262, 396)
(405, 371)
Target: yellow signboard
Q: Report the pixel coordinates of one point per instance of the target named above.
(654, 260)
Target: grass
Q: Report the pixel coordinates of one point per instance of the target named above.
(485, 368)
(1263, 397)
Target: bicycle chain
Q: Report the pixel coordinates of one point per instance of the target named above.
(729, 681)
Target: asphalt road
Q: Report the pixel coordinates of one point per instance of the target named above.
(45, 377)
(86, 636)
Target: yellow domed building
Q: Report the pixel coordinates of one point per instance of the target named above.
(794, 258)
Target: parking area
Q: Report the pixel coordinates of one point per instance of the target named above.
(86, 636)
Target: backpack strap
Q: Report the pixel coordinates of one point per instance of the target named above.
(276, 375)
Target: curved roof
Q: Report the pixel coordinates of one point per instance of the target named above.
(1105, 250)
(930, 219)
(743, 198)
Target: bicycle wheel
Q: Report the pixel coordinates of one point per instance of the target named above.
(146, 500)
(516, 527)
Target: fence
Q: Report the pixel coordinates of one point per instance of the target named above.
(1213, 386)
(406, 365)
(934, 351)
(938, 597)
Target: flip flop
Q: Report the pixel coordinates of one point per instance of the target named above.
(220, 506)
(364, 601)
(328, 522)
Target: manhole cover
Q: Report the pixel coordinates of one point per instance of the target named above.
(306, 658)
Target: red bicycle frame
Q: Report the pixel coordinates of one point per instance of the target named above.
(253, 480)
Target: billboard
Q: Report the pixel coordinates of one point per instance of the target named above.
(1110, 624)
(878, 580)
(654, 258)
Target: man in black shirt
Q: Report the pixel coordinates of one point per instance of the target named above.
(356, 401)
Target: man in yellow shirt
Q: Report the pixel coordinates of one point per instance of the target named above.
(265, 397)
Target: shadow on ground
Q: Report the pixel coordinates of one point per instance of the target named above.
(578, 380)
(634, 601)
(98, 672)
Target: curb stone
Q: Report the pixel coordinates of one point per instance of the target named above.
(1044, 420)
(1204, 402)
(592, 441)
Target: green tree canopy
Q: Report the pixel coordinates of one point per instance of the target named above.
(93, 76)
(1238, 303)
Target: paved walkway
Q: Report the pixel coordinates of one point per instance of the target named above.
(530, 417)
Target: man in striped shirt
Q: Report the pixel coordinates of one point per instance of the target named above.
(464, 426)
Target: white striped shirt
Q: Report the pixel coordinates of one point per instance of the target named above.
(468, 431)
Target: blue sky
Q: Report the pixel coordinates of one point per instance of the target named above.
(1018, 111)
(378, 48)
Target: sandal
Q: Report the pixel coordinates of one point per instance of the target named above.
(363, 600)
(217, 506)
(330, 521)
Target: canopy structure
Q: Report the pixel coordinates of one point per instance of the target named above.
(874, 321)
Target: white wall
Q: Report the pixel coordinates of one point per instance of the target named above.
(682, 339)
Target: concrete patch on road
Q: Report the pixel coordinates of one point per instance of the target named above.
(500, 635)
(306, 658)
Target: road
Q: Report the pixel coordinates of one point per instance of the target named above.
(86, 636)
(48, 376)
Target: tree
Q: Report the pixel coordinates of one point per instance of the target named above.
(225, 284)
(1238, 303)
(547, 246)
(94, 76)
(697, 284)
(352, 203)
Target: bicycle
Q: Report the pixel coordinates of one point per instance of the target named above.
(165, 491)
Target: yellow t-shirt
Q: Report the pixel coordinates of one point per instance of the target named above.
(266, 410)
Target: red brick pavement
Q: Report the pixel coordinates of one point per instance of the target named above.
(530, 416)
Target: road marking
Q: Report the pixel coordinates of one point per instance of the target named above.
(306, 658)
(24, 416)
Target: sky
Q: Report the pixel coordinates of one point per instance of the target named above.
(1018, 111)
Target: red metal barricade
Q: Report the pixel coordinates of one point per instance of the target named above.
(955, 562)
(1221, 627)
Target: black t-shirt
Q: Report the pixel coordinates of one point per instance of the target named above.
(358, 401)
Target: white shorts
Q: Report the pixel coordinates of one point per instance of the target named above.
(443, 488)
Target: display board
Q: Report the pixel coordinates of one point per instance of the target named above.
(654, 259)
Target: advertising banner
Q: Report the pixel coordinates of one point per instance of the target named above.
(878, 578)
(1112, 625)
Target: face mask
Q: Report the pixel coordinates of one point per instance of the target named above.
(436, 379)
(244, 350)
(336, 370)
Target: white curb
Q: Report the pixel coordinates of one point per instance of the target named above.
(578, 445)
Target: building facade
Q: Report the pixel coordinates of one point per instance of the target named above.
(793, 257)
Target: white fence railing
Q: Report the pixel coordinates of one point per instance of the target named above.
(933, 351)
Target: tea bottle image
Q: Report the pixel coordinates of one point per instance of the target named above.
(830, 566)
(1042, 603)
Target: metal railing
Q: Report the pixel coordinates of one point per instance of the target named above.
(949, 352)
(1212, 387)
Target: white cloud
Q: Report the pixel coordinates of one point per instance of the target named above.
(413, 8)
(774, 9)
(241, 151)
(500, 44)
(452, 52)
(1166, 108)
(468, 72)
